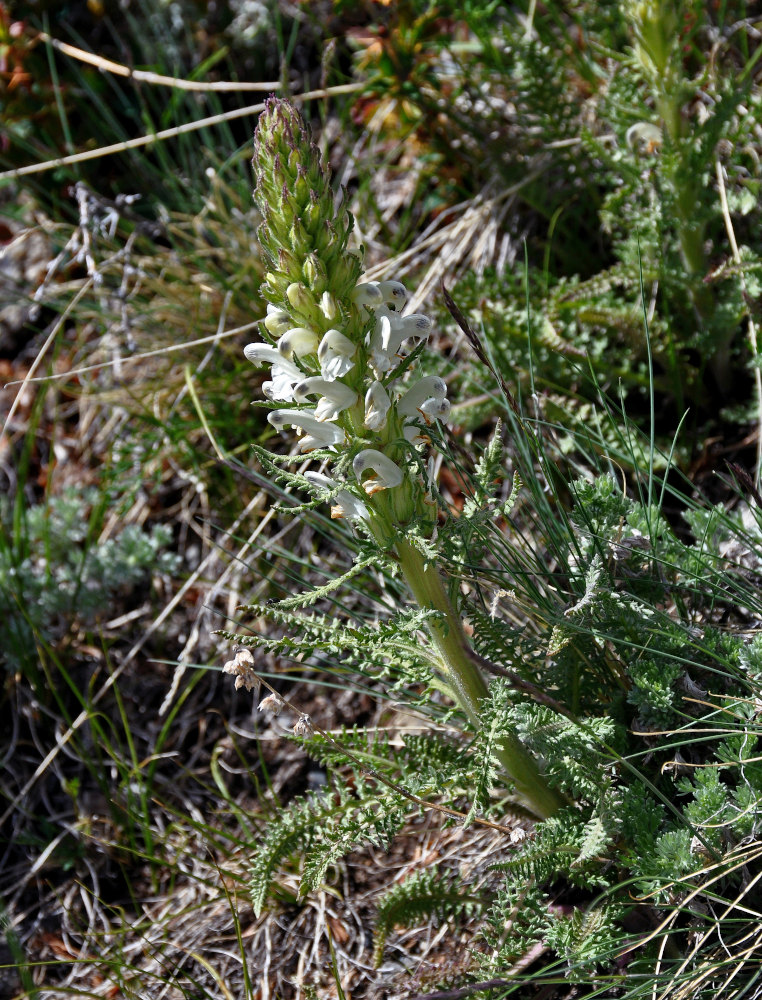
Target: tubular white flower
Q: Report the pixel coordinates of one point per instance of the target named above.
(277, 320)
(418, 398)
(346, 505)
(262, 354)
(393, 292)
(335, 355)
(319, 434)
(384, 343)
(377, 405)
(284, 374)
(335, 396)
(386, 475)
(413, 434)
(416, 326)
(367, 293)
(298, 341)
(437, 409)
(390, 332)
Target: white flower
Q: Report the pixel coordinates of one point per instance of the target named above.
(284, 374)
(425, 398)
(319, 434)
(298, 341)
(377, 405)
(367, 294)
(393, 292)
(377, 293)
(334, 396)
(415, 327)
(386, 475)
(283, 377)
(335, 355)
(346, 504)
(262, 354)
(391, 332)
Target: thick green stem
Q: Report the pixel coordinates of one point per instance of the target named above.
(467, 681)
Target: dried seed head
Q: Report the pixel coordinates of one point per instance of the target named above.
(242, 668)
(273, 704)
(304, 726)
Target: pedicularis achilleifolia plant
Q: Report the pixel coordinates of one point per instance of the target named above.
(342, 358)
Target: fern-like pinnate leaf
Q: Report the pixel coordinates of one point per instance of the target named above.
(425, 895)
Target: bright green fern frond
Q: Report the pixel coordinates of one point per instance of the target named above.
(495, 726)
(369, 820)
(325, 826)
(578, 753)
(423, 896)
(556, 849)
(294, 829)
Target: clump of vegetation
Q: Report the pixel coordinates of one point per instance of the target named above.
(56, 574)
(509, 690)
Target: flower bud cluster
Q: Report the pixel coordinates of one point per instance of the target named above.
(335, 342)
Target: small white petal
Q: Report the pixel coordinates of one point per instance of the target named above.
(384, 332)
(437, 409)
(318, 434)
(413, 434)
(347, 505)
(329, 306)
(416, 326)
(377, 404)
(283, 377)
(386, 475)
(335, 355)
(393, 292)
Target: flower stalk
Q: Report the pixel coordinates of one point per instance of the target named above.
(467, 680)
(337, 350)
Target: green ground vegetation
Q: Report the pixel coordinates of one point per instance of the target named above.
(583, 179)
